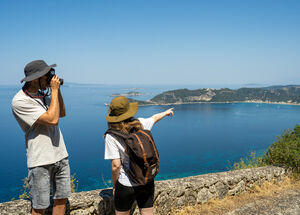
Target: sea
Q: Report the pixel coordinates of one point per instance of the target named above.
(198, 139)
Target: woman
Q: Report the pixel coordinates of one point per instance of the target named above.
(120, 117)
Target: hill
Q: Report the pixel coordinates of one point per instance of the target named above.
(274, 94)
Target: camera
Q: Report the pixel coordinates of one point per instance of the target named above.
(50, 75)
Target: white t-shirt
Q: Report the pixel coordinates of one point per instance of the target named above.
(44, 143)
(115, 149)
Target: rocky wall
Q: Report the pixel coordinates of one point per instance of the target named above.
(169, 194)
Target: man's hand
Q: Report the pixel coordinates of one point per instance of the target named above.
(51, 116)
(55, 83)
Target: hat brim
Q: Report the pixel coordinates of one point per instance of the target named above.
(132, 110)
(38, 74)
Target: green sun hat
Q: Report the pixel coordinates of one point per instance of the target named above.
(120, 109)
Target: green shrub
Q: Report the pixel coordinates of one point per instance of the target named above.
(26, 193)
(251, 161)
(74, 183)
(285, 151)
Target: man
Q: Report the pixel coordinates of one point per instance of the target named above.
(38, 116)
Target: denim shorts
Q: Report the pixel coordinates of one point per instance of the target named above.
(43, 178)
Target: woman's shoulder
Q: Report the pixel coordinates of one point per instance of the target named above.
(147, 122)
(110, 137)
(143, 120)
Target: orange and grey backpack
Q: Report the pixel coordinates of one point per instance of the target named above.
(143, 155)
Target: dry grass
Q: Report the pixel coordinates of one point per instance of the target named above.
(229, 203)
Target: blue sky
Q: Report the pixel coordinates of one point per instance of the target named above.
(154, 42)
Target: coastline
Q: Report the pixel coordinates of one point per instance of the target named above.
(231, 102)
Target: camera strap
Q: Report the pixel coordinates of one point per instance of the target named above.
(34, 97)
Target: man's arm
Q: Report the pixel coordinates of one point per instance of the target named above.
(62, 108)
(161, 115)
(51, 116)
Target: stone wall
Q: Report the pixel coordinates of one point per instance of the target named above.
(169, 194)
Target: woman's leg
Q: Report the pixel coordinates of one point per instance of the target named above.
(122, 212)
(124, 199)
(145, 198)
(146, 211)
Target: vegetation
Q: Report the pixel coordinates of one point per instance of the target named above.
(141, 103)
(74, 183)
(251, 161)
(288, 94)
(284, 152)
(26, 193)
(265, 192)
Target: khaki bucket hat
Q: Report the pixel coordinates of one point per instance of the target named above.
(120, 109)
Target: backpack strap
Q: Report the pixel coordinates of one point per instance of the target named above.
(154, 146)
(121, 135)
(117, 133)
(144, 155)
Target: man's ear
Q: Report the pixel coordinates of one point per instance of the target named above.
(33, 82)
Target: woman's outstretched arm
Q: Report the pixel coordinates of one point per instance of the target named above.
(161, 115)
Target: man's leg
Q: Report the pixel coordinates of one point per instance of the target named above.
(61, 186)
(39, 186)
(59, 206)
(38, 211)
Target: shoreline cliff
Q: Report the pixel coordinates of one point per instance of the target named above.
(286, 95)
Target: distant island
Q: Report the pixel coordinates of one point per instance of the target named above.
(127, 94)
(289, 94)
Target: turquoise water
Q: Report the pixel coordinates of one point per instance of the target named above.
(200, 138)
